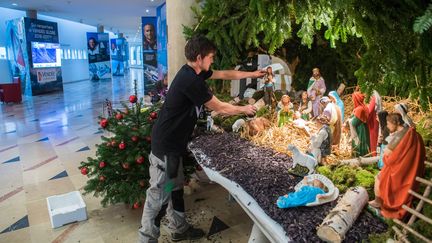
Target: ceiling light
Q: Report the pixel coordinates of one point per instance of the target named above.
(14, 4)
(147, 10)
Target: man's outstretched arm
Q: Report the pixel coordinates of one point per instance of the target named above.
(236, 75)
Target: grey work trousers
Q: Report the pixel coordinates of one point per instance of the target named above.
(160, 200)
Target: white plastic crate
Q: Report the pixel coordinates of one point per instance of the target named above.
(66, 208)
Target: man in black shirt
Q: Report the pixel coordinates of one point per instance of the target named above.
(186, 97)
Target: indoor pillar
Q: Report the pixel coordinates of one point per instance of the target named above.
(178, 13)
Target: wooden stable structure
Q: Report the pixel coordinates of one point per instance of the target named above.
(402, 229)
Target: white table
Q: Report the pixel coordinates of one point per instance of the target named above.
(265, 229)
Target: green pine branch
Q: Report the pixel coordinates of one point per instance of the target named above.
(424, 22)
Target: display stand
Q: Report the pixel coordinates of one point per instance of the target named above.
(265, 229)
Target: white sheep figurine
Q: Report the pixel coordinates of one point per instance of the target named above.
(302, 159)
(238, 125)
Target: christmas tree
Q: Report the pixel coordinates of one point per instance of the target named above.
(119, 172)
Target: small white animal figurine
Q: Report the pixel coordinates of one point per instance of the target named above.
(210, 123)
(314, 148)
(302, 159)
(238, 124)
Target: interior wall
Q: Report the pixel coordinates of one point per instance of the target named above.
(72, 36)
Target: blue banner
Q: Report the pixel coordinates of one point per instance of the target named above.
(162, 40)
(98, 55)
(149, 48)
(16, 45)
(118, 50)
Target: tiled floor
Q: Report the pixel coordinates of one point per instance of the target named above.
(42, 142)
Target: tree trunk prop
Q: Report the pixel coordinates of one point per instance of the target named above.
(360, 161)
(259, 104)
(343, 216)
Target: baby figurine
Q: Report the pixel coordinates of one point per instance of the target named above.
(310, 192)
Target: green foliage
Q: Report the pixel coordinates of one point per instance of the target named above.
(258, 95)
(122, 174)
(264, 112)
(424, 128)
(229, 121)
(379, 238)
(422, 226)
(374, 40)
(424, 22)
(124, 178)
(345, 176)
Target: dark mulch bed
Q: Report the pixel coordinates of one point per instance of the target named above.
(263, 174)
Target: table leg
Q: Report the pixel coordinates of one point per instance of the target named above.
(257, 236)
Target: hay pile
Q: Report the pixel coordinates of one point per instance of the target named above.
(415, 111)
(278, 139)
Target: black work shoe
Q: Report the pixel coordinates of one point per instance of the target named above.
(190, 234)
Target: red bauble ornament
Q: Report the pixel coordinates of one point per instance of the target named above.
(84, 170)
(198, 168)
(101, 178)
(136, 205)
(126, 112)
(148, 139)
(125, 166)
(134, 138)
(153, 115)
(142, 183)
(140, 160)
(103, 123)
(149, 119)
(102, 164)
(119, 116)
(122, 145)
(113, 143)
(132, 99)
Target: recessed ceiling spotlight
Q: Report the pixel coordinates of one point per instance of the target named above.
(14, 4)
(147, 10)
(151, 0)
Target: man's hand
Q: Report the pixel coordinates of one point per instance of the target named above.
(249, 110)
(258, 73)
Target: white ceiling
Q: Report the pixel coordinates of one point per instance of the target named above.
(122, 16)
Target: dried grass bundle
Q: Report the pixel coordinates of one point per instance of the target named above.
(415, 111)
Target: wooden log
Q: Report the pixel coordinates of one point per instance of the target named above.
(342, 217)
(259, 104)
(360, 161)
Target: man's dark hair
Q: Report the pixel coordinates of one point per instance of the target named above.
(151, 25)
(198, 45)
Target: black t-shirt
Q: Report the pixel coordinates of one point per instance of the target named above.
(177, 118)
